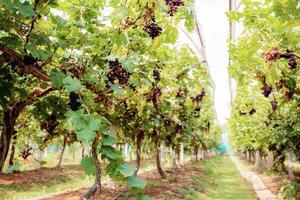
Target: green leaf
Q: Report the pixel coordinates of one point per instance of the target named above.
(71, 84)
(88, 164)
(136, 182)
(108, 140)
(57, 78)
(86, 125)
(115, 88)
(25, 8)
(126, 170)
(110, 152)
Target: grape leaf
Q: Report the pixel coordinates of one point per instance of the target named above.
(88, 164)
(136, 182)
(126, 170)
(86, 125)
(71, 84)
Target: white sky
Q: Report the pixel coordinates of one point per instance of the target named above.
(215, 28)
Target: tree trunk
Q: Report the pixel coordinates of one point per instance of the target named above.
(62, 152)
(181, 155)
(6, 135)
(97, 184)
(290, 165)
(82, 152)
(139, 140)
(12, 151)
(162, 154)
(9, 119)
(158, 164)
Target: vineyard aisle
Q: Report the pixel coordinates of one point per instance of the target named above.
(260, 188)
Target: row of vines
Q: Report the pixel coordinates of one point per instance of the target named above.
(265, 64)
(102, 73)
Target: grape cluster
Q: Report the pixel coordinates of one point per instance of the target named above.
(181, 93)
(266, 90)
(156, 75)
(199, 97)
(73, 103)
(117, 72)
(167, 122)
(156, 94)
(26, 151)
(274, 105)
(173, 6)
(152, 29)
(252, 111)
(50, 123)
(274, 54)
(178, 128)
(271, 55)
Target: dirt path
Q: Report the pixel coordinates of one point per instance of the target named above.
(260, 188)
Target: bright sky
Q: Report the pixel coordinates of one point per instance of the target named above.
(214, 27)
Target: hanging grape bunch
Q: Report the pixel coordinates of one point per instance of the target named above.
(200, 97)
(252, 111)
(74, 103)
(271, 55)
(50, 123)
(181, 93)
(266, 90)
(178, 128)
(26, 151)
(117, 72)
(152, 29)
(156, 75)
(156, 94)
(167, 122)
(173, 6)
(275, 54)
(274, 105)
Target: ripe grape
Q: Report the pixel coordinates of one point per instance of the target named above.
(50, 123)
(273, 54)
(274, 105)
(173, 6)
(156, 75)
(152, 29)
(156, 94)
(73, 103)
(26, 151)
(266, 89)
(200, 96)
(293, 62)
(117, 72)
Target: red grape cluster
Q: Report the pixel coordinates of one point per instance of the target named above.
(271, 55)
(200, 97)
(152, 29)
(181, 93)
(156, 94)
(26, 151)
(252, 111)
(117, 72)
(50, 123)
(167, 122)
(156, 75)
(73, 103)
(274, 54)
(266, 90)
(274, 105)
(173, 6)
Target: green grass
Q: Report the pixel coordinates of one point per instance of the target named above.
(222, 182)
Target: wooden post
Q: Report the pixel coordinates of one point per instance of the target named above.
(257, 158)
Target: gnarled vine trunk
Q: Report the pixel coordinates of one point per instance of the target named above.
(6, 135)
(97, 184)
(158, 162)
(62, 152)
(9, 120)
(139, 140)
